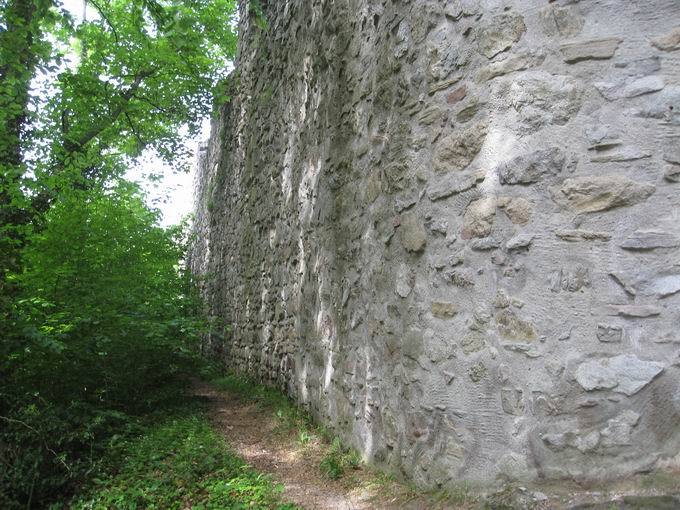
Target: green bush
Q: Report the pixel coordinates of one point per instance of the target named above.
(102, 326)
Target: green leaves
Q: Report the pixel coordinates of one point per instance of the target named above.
(182, 463)
(338, 460)
(96, 315)
(104, 323)
(156, 62)
(142, 75)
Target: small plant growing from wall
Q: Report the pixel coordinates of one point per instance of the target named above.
(257, 14)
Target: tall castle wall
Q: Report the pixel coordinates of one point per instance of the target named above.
(451, 229)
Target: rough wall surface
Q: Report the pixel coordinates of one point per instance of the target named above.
(451, 229)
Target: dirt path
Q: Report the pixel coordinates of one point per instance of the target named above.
(253, 433)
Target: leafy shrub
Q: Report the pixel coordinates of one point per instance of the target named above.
(102, 326)
(304, 437)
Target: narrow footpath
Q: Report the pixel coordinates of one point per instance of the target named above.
(255, 434)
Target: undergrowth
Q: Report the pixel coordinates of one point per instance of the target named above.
(180, 463)
(338, 460)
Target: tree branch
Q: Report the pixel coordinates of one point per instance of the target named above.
(97, 129)
(47, 447)
(108, 21)
(42, 200)
(134, 131)
(147, 100)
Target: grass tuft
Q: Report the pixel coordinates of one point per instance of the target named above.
(338, 460)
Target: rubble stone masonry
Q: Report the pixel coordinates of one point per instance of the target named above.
(451, 229)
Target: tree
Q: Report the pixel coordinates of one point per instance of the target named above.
(93, 306)
(146, 70)
(141, 74)
(22, 50)
(103, 324)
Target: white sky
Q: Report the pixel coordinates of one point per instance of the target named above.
(173, 194)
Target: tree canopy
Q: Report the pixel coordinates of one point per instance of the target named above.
(81, 99)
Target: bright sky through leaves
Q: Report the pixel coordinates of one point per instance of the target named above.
(173, 193)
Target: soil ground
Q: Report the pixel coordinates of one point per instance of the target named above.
(255, 433)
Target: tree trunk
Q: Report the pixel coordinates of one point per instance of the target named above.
(19, 57)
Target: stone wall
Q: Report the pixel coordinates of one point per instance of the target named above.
(451, 229)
